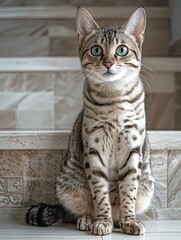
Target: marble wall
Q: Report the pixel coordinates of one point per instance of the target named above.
(166, 203)
(28, 177)
(52, 100)
(56, 35)
(39, 100)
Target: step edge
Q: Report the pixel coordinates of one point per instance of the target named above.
(58, 139)
(48, 64)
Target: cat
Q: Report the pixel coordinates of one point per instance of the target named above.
(105, 177)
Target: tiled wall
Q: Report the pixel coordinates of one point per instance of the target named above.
(28, 177)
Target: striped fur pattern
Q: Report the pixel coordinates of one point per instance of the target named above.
(105, 177)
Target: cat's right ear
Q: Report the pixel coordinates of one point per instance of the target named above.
(136, 25)
(85, 23)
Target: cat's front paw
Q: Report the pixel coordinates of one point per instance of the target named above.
(101, 227)
(84, 223)
(133, 227)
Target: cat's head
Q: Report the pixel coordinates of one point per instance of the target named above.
(111, 54)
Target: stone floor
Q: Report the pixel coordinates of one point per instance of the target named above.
(156, 230)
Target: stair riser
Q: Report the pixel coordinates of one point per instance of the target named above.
(29, 171)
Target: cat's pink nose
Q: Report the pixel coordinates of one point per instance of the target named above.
(108, 64)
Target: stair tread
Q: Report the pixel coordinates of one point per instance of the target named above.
(58, 139)
(23, 64)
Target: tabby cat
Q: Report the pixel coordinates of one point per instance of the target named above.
(105, 177)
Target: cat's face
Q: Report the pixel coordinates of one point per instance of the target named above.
(111, 54)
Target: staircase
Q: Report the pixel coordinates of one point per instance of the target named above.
(40, 94)
(40, 80)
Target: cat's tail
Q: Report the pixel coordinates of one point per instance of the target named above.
(44, 215)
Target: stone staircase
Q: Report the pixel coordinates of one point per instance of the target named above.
(37, 37)
(40, 95)
(30, 162)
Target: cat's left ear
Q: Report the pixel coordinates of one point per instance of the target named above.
(85, 23)
(136, 25)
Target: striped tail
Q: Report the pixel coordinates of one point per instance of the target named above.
(44, 215)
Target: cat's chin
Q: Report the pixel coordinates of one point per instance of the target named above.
(122, 75)
(124, 78)
(109, 77)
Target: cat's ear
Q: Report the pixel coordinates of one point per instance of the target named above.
(85, 23)
(136, 25)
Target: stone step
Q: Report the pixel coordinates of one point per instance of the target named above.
(58, 139)
(30, 162)
(48, 64)
(68, 12)
(50, 30)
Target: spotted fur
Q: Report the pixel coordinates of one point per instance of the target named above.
(105, 176)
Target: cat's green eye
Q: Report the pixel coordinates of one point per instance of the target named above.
(122, 50)
(96, 51)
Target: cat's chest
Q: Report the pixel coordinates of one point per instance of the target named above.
(128, 126)
(120, 152)
(120, 117)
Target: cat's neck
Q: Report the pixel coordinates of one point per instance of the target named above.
(114, 89)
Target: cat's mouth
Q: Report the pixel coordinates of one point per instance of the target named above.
(108, 73)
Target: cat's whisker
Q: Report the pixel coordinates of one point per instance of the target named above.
(115, 23)
(147, 74)
(77, 88)
(151, 70)
(102, 23)
(67, 78)
(148, 68)
(146, 87)
(79, 78)
(76, 91)
(145, 83)
(146, 79)
(77, 74)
